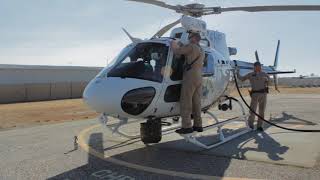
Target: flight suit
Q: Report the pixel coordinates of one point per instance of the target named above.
(259, 82)
(191, 90)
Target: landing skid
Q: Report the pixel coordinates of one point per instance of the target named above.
(192, 137)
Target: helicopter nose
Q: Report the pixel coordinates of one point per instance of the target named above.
(92, 96)
(120, 97)
(102, 96)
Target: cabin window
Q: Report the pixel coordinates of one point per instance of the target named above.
(177, 67)
(172, 93)
(208, 65)
(145, 61)
(178, 35)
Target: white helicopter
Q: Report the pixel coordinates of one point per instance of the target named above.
(143, 83)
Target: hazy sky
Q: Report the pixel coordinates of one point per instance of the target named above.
(82, 32)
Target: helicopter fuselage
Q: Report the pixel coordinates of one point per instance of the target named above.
(144, 81)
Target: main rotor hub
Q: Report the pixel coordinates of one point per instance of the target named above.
(194, 10)
(195, 6)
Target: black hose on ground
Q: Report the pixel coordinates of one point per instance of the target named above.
(272, 124)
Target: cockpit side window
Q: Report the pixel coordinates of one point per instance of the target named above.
(208, 65)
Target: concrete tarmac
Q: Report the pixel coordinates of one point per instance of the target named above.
(49, 152)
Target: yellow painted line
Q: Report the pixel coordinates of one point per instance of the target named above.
(105, 157)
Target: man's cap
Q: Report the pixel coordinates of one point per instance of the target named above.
(257, 63)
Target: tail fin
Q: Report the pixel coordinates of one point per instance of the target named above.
(275, 66)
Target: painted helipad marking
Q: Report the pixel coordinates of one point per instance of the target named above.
(105, 157)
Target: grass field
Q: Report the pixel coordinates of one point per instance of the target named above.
(46, 112)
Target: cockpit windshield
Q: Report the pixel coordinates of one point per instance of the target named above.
(144, 61)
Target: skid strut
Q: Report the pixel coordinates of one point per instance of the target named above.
(115, 127)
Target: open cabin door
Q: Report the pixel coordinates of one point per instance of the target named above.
(170, 96)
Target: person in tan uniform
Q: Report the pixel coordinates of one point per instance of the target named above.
(259, 88)
(191, 90)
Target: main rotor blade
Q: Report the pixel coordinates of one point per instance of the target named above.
(133, 39)
(273, 8)
(257, 56)
(166, 29)
(156, 3)
(194, 11)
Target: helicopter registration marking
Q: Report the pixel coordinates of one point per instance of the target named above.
(110, 175)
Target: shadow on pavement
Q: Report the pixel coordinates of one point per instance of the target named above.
(178, 155)
(263, 141)
(298, 121)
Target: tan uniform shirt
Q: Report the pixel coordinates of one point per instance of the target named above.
(258, 80)
(192, 52)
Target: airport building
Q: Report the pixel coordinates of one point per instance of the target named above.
(24, 83)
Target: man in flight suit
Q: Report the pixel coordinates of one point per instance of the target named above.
(191, 90)
(259, 88)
